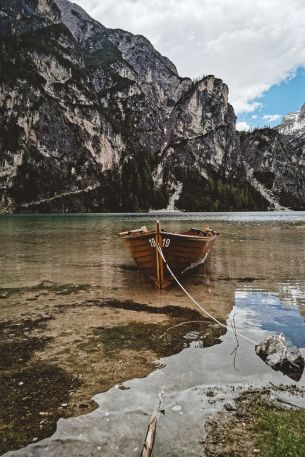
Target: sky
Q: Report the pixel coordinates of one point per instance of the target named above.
(256, 46)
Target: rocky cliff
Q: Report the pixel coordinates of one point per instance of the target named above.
(293, 129)
(274, 159)
(95, 119)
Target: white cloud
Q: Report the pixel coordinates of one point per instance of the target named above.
(242, 126)
(254, 116)
(272, 117)
(250, 44)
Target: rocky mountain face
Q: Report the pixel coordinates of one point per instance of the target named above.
(293, 129)
(275, 161)
(95, 119)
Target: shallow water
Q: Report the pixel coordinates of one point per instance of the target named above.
(255, 276)
(264, 250)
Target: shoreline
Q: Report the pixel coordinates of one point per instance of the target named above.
(49, 371)
(47, 365)
(77, 320)
(268, 422)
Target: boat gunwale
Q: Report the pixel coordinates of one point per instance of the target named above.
(179, 235)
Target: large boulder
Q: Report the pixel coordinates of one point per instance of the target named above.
(276, 352)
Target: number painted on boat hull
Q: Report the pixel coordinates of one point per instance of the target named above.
(165, 242)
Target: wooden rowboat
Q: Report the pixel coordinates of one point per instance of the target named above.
(182, 251)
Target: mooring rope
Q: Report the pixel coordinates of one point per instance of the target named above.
(198, 304)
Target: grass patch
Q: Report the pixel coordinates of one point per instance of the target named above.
(281, 433)
(259, 426)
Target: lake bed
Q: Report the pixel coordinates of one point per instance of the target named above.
(90, 321)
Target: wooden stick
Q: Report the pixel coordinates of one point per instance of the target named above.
(148, 446)
(160, 270)
(149, 442)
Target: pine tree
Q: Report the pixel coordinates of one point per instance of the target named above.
(3, 54)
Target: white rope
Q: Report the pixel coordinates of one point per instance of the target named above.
(199, 306)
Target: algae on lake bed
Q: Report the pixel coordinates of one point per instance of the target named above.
(31, 392)
(163, 339)
(31, 404)
(42, 288)
(45, 363)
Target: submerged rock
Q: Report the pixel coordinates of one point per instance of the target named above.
(229, 407)
(276, 352)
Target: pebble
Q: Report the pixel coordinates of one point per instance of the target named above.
(176, 408)
(64, 405)
(20, 383)
(229, 407)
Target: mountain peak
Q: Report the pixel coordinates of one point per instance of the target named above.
(301, 116)
(19, 16)
(293, 121)
(80, 24)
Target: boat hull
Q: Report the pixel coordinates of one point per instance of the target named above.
(182, 253)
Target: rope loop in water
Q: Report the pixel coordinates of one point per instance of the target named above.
(198, 304)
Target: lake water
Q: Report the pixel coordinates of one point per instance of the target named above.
(255, 275)
(254, 251)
